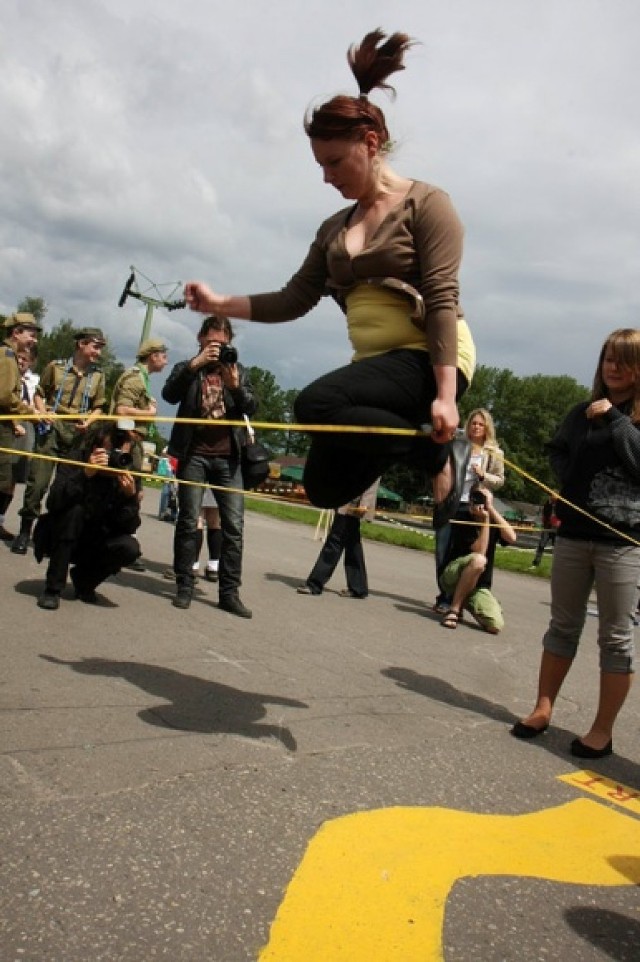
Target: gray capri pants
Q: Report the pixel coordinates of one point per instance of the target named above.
(615, 570)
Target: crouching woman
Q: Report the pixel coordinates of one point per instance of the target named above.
(91, 517)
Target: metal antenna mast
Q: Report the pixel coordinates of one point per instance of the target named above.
(132, 289)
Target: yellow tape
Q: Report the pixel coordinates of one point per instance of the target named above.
(223, 422)
(300, 428)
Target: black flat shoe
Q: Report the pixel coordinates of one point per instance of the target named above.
(520, 730)
(580, 750)
(460, 452)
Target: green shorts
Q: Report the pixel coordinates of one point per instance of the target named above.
(482, 603)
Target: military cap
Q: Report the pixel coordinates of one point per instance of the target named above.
(22, 319)
(90, 334)
(150, 347)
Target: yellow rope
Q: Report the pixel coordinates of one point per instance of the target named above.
(275, 426)
(223, 422)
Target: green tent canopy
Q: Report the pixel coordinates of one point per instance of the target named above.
(293, 473)
(384, 494)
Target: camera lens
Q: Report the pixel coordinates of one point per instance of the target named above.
(228, 354)
(120, 459)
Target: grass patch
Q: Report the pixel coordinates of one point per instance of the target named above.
(506, 559)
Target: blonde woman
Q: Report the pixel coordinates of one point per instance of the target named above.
(485, 467)
(486, 463)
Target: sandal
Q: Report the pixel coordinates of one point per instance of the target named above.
(441, 607)
(451, 619)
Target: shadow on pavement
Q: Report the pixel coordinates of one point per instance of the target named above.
(196, 704)
(556, 740)
(616, 936)
(293, 582)
(440, 690)
(33, 589)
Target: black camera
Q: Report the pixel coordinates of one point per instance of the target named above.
(478, 497)
(228, 355)
(119, 459)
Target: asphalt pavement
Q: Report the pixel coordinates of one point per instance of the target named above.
(333, 780)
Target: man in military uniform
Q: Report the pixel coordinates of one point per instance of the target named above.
(75, 386)
(132, 398)
(21, 333)
(132, 392)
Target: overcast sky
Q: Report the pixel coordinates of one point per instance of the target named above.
(168, 135)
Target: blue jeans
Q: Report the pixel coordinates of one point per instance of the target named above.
(222, 473)
(165, 500)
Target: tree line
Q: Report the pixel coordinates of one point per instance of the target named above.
(526, 411)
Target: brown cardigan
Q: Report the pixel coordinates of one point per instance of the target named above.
(417, 249)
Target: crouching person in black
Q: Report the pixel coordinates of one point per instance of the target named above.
(91, 516)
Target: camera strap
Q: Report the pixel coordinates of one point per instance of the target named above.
(251, 434)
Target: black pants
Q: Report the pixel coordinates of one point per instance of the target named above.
(95, 555)
(393, 390)
(344, 536)
(547, 537)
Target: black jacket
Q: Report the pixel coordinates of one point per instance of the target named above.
(106, 509)
(184, 387)
(597, 462)
(80, 507)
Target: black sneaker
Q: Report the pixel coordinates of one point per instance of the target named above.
(234, 606)
(137, 565)
(182, 598)
(49, 601)
(210, 574)
(20, 543)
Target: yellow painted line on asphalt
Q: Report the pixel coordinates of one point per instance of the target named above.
(374, 885)
(604, 788)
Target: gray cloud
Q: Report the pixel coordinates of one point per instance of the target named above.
(170, 136)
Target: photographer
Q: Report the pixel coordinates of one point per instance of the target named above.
(211, 386)
(92, 516)
(468, 570)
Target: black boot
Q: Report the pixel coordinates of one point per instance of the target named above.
(21, 541)
(234, 606)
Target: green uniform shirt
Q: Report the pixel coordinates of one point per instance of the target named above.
(10, 386)
(132, 390)
(82, 391)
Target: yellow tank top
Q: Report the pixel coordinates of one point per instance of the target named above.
(379, 320)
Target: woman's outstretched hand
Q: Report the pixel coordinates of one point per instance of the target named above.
(201, 298)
